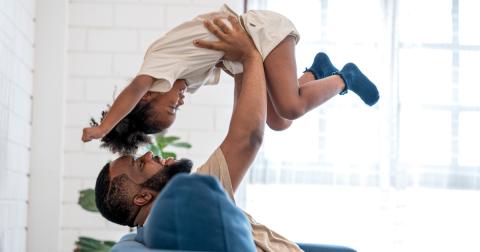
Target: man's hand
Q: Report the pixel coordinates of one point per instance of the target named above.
(234, 42)
(92, 133)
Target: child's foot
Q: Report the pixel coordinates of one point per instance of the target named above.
(322, 66)
(356, 81)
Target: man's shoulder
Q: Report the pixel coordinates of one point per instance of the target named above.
(217, 166)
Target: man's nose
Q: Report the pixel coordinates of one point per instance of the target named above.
(147, 156)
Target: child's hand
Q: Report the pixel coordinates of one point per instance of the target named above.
(92, 133)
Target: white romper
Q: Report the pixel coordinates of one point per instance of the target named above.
(174, 56)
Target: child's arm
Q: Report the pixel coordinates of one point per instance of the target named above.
(124, 103)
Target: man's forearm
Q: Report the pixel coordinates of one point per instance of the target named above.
(249, 115)
(247, 125)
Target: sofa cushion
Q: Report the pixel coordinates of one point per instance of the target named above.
(193, 212)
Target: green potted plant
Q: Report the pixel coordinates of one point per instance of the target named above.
(87, 196)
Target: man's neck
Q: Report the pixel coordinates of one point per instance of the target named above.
(142, 216)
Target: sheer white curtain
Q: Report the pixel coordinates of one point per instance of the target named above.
(403, 175)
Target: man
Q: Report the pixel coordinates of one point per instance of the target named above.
(127, 187)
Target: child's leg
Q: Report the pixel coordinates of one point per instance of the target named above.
(289, 99)
(275, 121)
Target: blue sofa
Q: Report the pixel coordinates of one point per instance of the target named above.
(128, 244)
(193, 213)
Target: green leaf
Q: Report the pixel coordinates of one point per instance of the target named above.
(87, 244)
(87, 200)
(163, 141)
(171, 139)
(154, 149)
(182, 145)
(167, 154)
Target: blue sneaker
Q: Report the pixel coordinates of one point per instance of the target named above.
(356, 81)
(322, 66)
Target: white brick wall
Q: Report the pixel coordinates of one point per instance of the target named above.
(16, 77)
(107, 41)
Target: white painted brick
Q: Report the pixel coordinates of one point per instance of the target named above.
(104, 1)
(127, 65)
(89, 182)
(111, 235)
(222, 118)
(198, 159)
(3, 183)
(71, 189)
(84, 165)
(91, 14)
(8, 29)
(115, 227)
(15, 186)
(166, 2)
(136, 16)
(16, 61)
(94, 147)
(193, 118)
(215, 4)
(7, 66)
(73, 139)
(218, 95)
(108, 40)
(68, 238)
(175, 15)
(17, 158)
(19, 211)
(207, 141)
(75, 89)
(77, 38)
(76, 217)
(90, 64)
(148, 37)
(21, 103)
(18, 130)
(5, 94)
(3, 217)
(9, 8)
(25, 78)
(79, 114)
(24, 21)
(3, 122)
(29, 6)
(104, 89)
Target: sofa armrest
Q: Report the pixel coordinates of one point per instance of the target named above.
(323, 248)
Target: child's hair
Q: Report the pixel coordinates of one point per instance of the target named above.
(131, 132)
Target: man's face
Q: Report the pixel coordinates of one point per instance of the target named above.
(147, 170)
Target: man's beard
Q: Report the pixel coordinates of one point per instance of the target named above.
(161, 178)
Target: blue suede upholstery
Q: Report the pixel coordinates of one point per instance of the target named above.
(193, 213)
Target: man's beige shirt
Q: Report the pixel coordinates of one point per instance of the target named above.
(265, 239)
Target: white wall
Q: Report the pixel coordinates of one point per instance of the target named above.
(107, 40)
(16, 78)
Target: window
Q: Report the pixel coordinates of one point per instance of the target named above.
(403, 175)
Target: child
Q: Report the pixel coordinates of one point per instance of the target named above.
(174, 64)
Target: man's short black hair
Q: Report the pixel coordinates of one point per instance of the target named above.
(132, 131)
(112, 198)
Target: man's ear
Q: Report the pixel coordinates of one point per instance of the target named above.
(142, 198)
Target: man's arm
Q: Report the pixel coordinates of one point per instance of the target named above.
(247, 124)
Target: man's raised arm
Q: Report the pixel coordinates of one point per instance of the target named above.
(247, 124)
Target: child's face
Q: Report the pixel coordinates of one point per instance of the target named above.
(165, 104)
